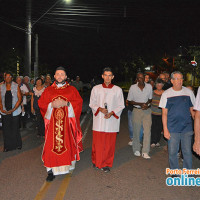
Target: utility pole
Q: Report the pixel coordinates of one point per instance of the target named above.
(36, 57)
(27, 70)
(28, 38)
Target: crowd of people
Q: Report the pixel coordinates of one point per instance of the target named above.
(153, 107)
(168, 107)
(19, 104)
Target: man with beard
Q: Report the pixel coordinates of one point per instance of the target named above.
(61, 105)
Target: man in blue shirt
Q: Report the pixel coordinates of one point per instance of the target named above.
(177, 108)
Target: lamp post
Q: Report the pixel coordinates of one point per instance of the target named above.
(28, 37)
(27, 70)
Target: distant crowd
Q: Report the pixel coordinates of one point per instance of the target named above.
(26, 92)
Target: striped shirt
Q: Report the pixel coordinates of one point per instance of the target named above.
(155, 110)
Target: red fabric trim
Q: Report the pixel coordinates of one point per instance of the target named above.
(59, 136)
(109, 86)
(114, 115)
(103, 148)
(97, 112)
(72, 144)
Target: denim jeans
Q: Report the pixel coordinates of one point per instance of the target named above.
(130, 126)
(141, 133)
(186, 146)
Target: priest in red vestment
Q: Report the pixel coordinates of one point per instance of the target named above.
(61, 105)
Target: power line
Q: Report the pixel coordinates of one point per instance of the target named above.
(46, 12)
(13, 26)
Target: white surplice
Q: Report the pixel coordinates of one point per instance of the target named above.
(114, 99)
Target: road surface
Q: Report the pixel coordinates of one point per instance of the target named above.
(22, 175)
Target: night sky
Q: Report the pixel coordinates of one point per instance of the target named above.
(86, 36)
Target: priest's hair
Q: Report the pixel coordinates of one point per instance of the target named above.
(61, 68)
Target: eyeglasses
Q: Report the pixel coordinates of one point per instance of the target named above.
(178, 79)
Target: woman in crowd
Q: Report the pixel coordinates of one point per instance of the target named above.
(25, 92)
(31, 84)
(37, 92)
(48, 81)
(156, 126)
(10, 101)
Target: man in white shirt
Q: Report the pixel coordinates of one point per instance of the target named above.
(140, 96)
(107, 103)
(177, 112)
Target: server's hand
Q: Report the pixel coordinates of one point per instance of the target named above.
(107, 116)
(103, 110)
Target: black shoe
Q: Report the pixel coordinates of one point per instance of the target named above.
(94, 166)
(19, 148)
(105, 169)
(50, 177)
(5, 150)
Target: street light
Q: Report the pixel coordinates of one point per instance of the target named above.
(68, 1)
(29, 32)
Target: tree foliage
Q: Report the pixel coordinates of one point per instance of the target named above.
(9, 59)
(130, 66)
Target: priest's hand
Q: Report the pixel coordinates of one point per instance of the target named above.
(103, 110)
(107, 116)
(59, 103)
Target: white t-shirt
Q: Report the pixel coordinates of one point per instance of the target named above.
(138, 95)
(169, 93)
(24, 90)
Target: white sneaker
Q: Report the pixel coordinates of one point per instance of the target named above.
(130, 143)
(146, 156)
(153, 145)
(137, 153)
(158, 144)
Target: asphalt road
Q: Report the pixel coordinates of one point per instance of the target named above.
(22, 175)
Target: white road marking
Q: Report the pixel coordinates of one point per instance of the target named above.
(86, 129)
(85, 116)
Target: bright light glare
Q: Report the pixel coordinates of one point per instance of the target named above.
(68, 1)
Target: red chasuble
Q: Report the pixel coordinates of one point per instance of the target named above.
(62, 133)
